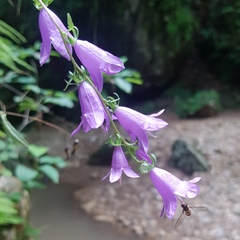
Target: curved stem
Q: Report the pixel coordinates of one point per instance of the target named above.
(39, 120)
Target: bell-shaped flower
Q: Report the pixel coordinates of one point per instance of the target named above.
(51, 36)
(96, 61)
(170, 187)
(93, 113)
(137, 124)
(119, 165)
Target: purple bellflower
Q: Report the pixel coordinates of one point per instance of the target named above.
(170, 187)
(119, 165)
(137, 124)
(93, 113)
(51, 35)
(96, 61)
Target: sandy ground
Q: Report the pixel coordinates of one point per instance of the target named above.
(135, 205)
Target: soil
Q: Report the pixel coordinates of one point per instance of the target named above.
(135, 205)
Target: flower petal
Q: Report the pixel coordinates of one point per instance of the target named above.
(169, 198)
(130, 173)
(119, 165)
(51, 35)
(93, 113)
(169, 186)
(96, 61)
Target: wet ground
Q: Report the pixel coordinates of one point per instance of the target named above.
(56, 213)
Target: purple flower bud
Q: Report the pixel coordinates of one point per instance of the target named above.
(93, 113)
(170, 187)
(137, 124)
(51, 35)
(119, 165)
(96, 61)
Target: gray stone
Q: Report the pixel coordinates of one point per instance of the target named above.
(187, 159)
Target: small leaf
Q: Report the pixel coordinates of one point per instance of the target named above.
(33, 88)
(37, 151)
(58, 161)
(26, 80)
(25, 173)
(62, 102)
(34, 184)
(122, 84)
(50, 172)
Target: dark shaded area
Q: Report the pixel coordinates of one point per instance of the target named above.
(174, 44)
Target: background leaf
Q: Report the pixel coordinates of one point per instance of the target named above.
(50, 172)
(25, 173)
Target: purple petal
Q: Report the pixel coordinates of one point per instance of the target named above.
(51, 35)
(130, 173)
(181, 188)
(45, 34)
(96, 61)
(91, 105)
(115, 175)
(147, 123)
(169, 199)
(119, 165)
(170, 186)
(93, 113)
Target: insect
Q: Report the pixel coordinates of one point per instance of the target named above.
(187, 211)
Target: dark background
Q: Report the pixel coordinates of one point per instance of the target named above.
(190, 44)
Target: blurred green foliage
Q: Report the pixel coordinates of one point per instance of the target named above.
(169, 28)
(28, 162)
(174, 21)
(206, 100)
(8, 209)
(220, 36)
(125, 79)
(20, 92)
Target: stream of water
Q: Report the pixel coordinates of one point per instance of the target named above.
(57, 214)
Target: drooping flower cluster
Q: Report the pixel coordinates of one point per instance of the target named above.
(94, 59)
(95, 114)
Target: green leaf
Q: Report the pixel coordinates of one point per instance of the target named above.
(69, 95)
(26, 80)
(7, 206)
(62, 102)
(137, 81)
(11, 33)
(6, 219)
(50, 172)
(58, 161)
(33, 88)
(2, 134)
(25, 173)
(37, 151)
(11, 131)
(122, 84)
(34, 184)
(3, 145)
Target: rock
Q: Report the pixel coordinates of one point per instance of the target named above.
(186, 158)
(104, 218)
